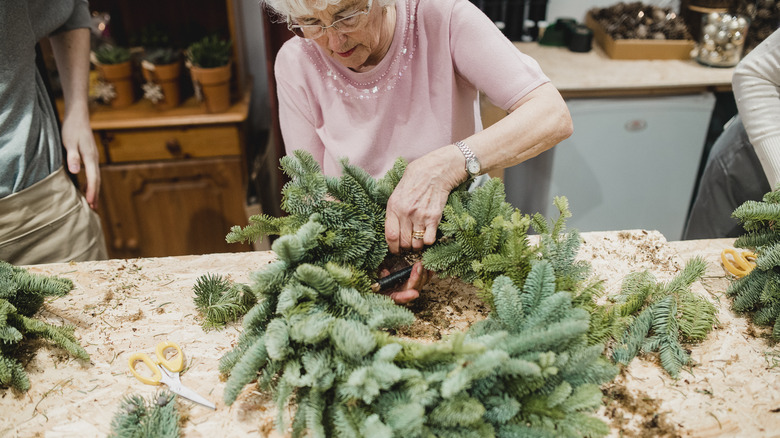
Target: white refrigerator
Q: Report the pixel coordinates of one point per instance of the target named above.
(631, 163)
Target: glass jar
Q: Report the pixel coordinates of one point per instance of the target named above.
(722, 39)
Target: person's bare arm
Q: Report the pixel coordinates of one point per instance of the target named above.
(71, 53)
(535, 124)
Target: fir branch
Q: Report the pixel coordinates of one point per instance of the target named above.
(21, 296)
(61, 336)
(759, 291)
(137, 417)
(757, 238)
(221, 302)
(772, 197)
(757, 211)
(12, 374)
(245, 369)
(667, 313)
(767, 315)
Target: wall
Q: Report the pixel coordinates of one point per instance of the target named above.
(248, 11)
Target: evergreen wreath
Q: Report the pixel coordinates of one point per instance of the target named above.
(321, 342)
(21, 295)
(758, 293)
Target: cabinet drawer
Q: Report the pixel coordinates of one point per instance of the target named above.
(101, 150)
(168, 143)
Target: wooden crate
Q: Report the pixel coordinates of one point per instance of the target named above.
(639, 49)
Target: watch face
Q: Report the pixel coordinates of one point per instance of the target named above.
(473, 167)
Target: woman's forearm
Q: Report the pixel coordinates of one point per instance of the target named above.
(71, 52)
(534, 124)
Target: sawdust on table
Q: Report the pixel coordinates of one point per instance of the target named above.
(122, 306)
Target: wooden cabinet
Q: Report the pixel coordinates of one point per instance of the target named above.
(172, 207)
(175, 181)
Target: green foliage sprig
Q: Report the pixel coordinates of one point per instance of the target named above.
(320, 341)
(660, 316)
(108, 54)
(21, 296)
(220, 301)
(211, 51)
(137, 417)
(758, 293)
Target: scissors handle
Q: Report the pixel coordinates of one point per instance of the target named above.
(740, 264)
(175, 363)
(153, 367)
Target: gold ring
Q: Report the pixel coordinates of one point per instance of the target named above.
(418, 234)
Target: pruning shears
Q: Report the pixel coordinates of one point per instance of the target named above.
(738, 264)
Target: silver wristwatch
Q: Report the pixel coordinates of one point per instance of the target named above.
(472, 163)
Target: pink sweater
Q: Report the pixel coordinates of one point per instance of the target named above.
(423, 95)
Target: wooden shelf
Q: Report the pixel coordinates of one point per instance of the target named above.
(143, 114)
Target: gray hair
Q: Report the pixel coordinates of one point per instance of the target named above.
(302, 8)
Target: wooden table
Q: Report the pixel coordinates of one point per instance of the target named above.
(122, 306)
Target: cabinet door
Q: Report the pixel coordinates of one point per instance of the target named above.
(173, 208)
(631, 163)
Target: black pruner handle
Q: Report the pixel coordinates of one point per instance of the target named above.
(393, 279)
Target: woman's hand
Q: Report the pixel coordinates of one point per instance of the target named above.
(414, 209)
(81, 149)
(71, 53)
(410, 290)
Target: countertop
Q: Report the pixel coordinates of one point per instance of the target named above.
(594, 74)
(122, 306)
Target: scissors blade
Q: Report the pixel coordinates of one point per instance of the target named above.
(191, 395)
(176, 387)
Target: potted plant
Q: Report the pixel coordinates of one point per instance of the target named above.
(115, 68)
(161, 68)
(210, 68)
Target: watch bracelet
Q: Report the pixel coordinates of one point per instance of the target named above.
(465, 150)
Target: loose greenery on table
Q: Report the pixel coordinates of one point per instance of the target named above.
(21, 296)
(666, 315)
(758, 293)
(221, 301)
(137, 417)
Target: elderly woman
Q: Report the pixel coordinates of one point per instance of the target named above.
(372, 80)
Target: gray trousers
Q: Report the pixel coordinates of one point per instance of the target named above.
(732, 175)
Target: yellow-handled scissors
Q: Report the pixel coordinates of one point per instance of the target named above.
(740, 264)
(165, 370)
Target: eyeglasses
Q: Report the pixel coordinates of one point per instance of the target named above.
(347, 24)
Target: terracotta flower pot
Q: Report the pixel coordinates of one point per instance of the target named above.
(121, 77)
(167, 77)
(214, 84)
